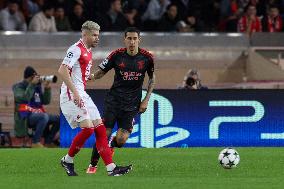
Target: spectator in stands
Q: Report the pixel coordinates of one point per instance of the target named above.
(33, 7)
(29, 111)
(192, 80)
(230, 12)
(2, 4)
(133, 10)
(114, 19)
(11, 18)
(44, 20)
(273, 21)
(194, 23)
(185, 7)
(62, 22)
(77, 18)
(249, 23)
(183, 27)
(169, 20)
(153, 13)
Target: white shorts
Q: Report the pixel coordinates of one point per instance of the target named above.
(74, 115)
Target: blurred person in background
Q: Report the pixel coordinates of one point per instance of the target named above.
(169, 20)
(29, 111)
(77, 17)
(114, 19)
(273, 21)
(11, 18)
(192, 80)
(183, 27)
(32, 7)
(62, 22)
(249, 23)
(133, 9)
(230, 13)
(44, 20)
(154, 12)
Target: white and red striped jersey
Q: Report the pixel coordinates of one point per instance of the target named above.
(78, 59)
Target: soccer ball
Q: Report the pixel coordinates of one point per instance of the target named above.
(229, 158)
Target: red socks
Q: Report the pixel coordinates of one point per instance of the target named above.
(102, 144)
(79, 141)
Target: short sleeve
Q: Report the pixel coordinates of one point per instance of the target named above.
(107, 64)
(72, 56)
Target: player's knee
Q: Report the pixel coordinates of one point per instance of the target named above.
(120, 141)
(88, 131)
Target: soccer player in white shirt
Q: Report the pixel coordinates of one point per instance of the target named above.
(76, 105)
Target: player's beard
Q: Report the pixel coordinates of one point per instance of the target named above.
(94, 44)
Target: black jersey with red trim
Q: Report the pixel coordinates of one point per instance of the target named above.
(126, 91)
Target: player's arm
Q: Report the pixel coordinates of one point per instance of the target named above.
(72, 56)
(104, 67)
(65, 76)
(151, 85)
(98, 74)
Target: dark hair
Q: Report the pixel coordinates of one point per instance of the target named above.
(13, 2)
(29, 71)
(131, 29)
(273, 7)
(47, 6)
(170, 5)
(249, 5)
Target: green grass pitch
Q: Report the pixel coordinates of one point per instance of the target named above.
(172, 168)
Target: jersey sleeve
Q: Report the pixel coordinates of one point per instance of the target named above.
(108, 63)
(151, 67)
(72, 56)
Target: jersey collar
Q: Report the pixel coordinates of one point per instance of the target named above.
(81, 41)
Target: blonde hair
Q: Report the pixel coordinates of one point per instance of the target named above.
(90, 25)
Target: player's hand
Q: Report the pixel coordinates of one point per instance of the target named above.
(143, 106)
(77, 99)
(46, 84)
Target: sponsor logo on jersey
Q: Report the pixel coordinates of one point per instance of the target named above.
(128, 76)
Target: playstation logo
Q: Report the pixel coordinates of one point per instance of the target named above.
(152, 137)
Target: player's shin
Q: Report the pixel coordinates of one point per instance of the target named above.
(102, 144)
(79, 141)
(95, 156)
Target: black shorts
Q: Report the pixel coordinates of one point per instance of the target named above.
(124, 119)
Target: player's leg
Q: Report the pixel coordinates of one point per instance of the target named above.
(77, 143)
(125, 124)
(105, 152)
(109, 121)
(120, 139)
(95, 154)
(76, 116)
(102, 143)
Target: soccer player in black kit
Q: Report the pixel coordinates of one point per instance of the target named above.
(123, 101)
